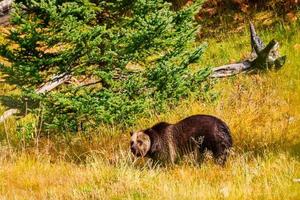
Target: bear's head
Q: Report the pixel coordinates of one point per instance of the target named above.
(140, 143)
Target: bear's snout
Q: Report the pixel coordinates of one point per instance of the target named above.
(135, 151)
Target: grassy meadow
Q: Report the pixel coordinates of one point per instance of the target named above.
(262, 110)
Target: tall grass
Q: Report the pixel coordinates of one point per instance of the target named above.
(244, 177)
(262, 110)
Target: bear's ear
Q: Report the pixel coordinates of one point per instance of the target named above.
(131, 133)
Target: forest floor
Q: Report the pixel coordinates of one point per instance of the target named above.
(262, 110)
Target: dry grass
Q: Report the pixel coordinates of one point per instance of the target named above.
(245, 177)
(262, 110)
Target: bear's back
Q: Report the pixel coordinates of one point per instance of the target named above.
(208, 126)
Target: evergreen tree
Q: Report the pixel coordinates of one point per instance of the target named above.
(139, 52)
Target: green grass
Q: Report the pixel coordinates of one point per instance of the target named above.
(262, 111)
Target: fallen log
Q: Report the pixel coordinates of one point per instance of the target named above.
(262, 58)
(55, 81)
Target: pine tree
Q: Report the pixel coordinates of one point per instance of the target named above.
(139, 52)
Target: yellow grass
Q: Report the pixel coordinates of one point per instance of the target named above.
(263, 112)
(245, 177)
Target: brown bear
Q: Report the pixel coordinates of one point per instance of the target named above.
(197, 133)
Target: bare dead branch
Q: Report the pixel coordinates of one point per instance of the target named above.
(7, 114)
(256, 43)
(90, 84)
(56, 81)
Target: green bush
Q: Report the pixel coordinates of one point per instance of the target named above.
(139, 52)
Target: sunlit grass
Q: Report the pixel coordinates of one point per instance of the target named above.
(245, 177)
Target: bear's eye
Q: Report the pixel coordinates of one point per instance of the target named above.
(131, 143)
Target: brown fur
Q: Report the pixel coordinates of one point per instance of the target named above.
(197, 133)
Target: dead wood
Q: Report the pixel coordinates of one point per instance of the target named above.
(55, 82)
(262, 58)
